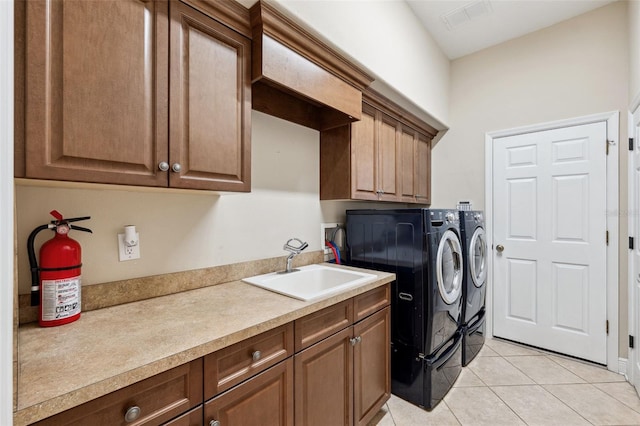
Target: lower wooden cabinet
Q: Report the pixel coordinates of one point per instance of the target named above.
(340, 373)
(345, 378)
(264, 400)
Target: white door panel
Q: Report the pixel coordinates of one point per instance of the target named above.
(549, 215)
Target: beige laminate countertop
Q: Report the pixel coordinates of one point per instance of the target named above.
(108, 349)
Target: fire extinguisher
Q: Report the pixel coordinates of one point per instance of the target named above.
(56, 283)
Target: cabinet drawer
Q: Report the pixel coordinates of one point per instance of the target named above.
(230, 366)
(371, 301)
(159, 398)
(265, 400)
(319, 325)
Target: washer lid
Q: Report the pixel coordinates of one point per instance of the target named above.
(477, 257)
(449, 267)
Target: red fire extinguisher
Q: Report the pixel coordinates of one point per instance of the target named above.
(56, 283)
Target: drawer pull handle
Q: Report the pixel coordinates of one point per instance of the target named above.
(214, 423)
(132, 414)
(256, 355)
(355, 340)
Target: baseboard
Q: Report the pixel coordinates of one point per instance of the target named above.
(622, 367)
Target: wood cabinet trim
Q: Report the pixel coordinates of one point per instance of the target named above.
(385, 105)
(228, 12)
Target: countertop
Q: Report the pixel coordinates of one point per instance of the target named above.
(108, 349)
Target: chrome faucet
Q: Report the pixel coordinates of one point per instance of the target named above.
(294, 250)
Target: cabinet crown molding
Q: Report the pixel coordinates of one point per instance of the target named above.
(267, 20)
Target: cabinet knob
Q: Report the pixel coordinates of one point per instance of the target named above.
(355, 340)
(163, 166)
(256, 355)
(214, 423)
(132, 414)
(176, 167)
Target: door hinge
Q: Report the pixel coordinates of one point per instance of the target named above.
(630, 144)
(631, 341)
(607, 326)
(606, 142)
(631, 243)
(607, 237)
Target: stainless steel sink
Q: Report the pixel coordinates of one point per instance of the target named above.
(311, 282)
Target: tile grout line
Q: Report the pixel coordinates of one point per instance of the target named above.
(451, 411)
(508, 406)
(543, 388)
(613, 396)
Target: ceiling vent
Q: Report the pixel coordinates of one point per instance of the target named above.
(466, 13)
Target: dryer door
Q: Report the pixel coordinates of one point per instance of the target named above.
(449, 267)
(478, 257)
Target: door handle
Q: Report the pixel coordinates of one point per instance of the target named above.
(500, 248)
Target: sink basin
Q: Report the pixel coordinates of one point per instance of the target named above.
(311, 282)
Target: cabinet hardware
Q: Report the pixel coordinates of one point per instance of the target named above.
(163, 166)
(256, 355)
(132, 414)
(214, 423)
(176, 167)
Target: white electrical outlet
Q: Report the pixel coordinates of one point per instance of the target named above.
(126, 252)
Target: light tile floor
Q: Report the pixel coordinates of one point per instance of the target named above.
(508, 384)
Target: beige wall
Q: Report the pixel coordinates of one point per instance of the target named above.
(186, 231)
(388, 39)
(572, 69)
(634, 49)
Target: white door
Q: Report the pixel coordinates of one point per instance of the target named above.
(634, 231)
(549, 226)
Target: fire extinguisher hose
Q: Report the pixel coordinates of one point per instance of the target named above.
(33, 264)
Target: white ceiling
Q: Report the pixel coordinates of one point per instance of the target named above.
(496, 21)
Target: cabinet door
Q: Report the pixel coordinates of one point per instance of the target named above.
(423, 169)
(388, 158)
(210, 115)
(364, 156)
(265, 400)
(96, 90)
(408, 164)
(371, 361)
(324, 382)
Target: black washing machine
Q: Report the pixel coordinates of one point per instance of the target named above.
(474, 286)
(423, 248)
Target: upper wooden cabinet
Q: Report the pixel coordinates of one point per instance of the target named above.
(386, 156)
(210, 103)
(97, 98)
(298, 77)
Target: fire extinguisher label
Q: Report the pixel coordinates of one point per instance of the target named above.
(60, 298)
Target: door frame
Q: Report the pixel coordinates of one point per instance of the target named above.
(6, 214)
(632, 210)
(612, 120)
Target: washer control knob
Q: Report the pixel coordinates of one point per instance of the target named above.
(477, 217)
(450, 217)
